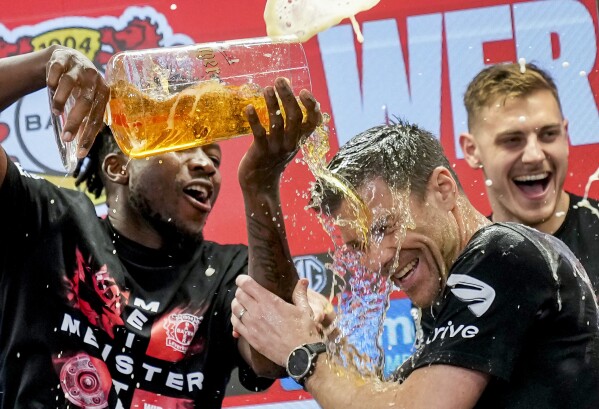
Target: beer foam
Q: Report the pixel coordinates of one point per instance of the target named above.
(306, 18)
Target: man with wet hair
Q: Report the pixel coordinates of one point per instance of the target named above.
(133, 310)
(518, 138)
(515, 319)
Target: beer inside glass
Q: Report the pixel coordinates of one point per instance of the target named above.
(175, 98)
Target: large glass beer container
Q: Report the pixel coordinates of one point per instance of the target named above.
(175, 98)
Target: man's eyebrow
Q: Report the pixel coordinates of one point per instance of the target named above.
(510, 132)
(549, 126)
(515, 131)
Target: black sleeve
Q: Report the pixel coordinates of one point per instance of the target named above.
(247, 377)
(27, 204)
(493, 294)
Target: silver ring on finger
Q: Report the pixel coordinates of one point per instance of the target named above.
(243, 311)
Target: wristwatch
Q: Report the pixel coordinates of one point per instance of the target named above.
(302, 360)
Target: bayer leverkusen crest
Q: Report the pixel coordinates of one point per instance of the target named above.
(180, 330)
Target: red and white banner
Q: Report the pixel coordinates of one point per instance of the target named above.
(415, 63)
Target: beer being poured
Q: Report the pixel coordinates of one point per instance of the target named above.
(200, 114)
(177, 98)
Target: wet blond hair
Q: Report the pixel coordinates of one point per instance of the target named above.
(502, 81)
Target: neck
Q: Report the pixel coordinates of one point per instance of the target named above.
(469, 221)
(135, 228)
(549, 225)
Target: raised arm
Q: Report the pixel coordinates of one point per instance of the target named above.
(260, 171)
(270, 261)
(65, 71)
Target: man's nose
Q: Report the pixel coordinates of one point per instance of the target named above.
(533, 151)
(199, 161)
(378, 260)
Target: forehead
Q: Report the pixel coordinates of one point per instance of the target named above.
(539, 107)
(212, 148)
(382, 203)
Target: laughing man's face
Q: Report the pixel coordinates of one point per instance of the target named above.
(408, 240)
(522, 143)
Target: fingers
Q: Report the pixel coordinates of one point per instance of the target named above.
(95, 118)
(249, 294)
(275, 115)
(313, 114)
(300, 296)
(239, 330)
(70, 74)
(58, 65)
(257, 128)
(293, 113)
(64, 88)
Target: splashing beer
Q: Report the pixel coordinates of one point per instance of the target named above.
(203, 113)
(168, 99)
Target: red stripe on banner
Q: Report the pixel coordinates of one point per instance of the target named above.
(273, 395)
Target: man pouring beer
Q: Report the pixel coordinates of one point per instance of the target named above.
(133, 309)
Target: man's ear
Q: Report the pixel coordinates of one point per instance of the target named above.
(444, 188)
(566, 123)
(470, 150)
(115, 169)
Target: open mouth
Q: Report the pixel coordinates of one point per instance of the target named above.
(406, 271)
(200, 196)
(533, 186)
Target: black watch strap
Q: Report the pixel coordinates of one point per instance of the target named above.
(316, 348)
(302, 361)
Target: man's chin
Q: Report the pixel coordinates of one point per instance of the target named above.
(191, 235)
(536, 216)
(177, 232)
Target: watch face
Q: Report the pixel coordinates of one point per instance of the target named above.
(299, 362)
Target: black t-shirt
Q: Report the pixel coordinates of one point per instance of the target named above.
(580, 232)
(90, 319)
(516, 307)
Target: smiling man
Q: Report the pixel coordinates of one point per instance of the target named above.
(515, 321)
(132, 310)
(518, 137)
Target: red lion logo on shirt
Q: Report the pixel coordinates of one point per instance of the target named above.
(102, 305)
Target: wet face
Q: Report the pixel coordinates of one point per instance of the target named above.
(174, 192)
(408, 240)
(523, 147)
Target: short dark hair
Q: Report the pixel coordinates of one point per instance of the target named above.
(89, 169)
(401, 154)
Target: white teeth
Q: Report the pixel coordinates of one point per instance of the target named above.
(531, 178)
(406, 269)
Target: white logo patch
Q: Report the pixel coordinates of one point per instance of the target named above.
(479, 295)
(313, 269)
(180, 330)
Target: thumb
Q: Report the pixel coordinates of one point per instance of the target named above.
(300, 296)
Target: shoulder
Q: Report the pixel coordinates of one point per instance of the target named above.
(217, 248)
(225, 253)
(508, 250)
(23, 191)
(586, 208)
(505, 239)
(581, 222)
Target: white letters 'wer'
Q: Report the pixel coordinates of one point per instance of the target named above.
(479, 295)
(306, 18)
